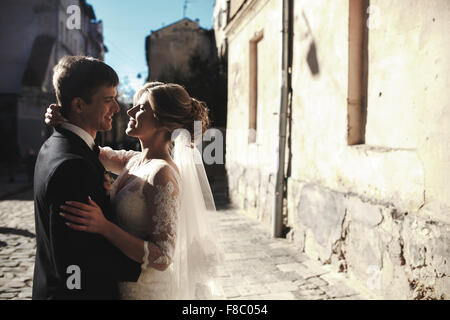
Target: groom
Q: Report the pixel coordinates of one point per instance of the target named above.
(72, 264)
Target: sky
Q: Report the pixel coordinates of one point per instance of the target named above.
(126, 24)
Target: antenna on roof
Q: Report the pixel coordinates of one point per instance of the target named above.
(186, 2)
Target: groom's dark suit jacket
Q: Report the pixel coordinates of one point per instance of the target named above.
(67, 169)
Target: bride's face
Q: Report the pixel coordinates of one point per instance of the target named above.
(142, 122)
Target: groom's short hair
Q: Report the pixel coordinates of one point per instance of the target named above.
(80, 76)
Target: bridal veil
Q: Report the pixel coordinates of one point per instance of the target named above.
(197, 252)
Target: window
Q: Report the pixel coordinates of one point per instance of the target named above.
(253, 92)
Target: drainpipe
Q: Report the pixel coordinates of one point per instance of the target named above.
(355, 72)
(286, 91)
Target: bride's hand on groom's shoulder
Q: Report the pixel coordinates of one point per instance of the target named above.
(86, 217)
(53, 116)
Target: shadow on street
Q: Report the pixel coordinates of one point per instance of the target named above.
(19, 232)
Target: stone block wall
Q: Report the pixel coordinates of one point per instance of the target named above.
(252, 189)
(393, 253)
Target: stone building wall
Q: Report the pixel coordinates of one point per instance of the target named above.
(172, 46)
(379, 211)
(251, 165)
(220, 22)
(34, 37)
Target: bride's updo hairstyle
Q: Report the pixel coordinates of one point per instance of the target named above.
(173, 107)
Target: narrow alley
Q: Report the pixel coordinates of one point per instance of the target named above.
(256, 266)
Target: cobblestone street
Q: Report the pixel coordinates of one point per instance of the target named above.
(256, 267)
(17, 246)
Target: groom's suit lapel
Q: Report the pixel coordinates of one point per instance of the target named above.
(87, 152)
(82, 149)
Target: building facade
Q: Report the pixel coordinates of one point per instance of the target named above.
(170, 48)
(221, 16)
(367, 142)
(35, 35)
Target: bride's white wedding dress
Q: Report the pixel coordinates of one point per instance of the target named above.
(146, 198)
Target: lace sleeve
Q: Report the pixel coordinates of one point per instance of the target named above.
(163, 196)
(115, 160)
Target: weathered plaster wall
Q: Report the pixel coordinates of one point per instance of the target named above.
(380, 210)
(251, 166)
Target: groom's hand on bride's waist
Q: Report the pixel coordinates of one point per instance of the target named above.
(86, 217)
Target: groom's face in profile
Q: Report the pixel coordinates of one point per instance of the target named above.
(98, 114)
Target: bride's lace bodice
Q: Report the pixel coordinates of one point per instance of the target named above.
(146, 200)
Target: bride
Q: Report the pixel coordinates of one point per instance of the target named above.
(161, 203)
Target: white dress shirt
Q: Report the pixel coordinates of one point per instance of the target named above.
(80, 132)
